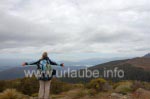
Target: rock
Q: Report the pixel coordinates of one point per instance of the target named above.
(141, 94)
(107, 87)
(116, 95)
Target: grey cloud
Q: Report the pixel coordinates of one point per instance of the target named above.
(107, 37)
(74, 25)
(25, 33)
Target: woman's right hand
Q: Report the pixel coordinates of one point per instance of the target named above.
(24, 64)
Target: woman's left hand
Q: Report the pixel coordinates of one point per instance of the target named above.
(62, 64)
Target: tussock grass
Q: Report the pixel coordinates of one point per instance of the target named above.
(12, 94)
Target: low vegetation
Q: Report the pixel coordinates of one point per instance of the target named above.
(28, 87)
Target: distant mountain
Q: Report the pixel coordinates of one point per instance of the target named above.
(4, 68)
(13, 73)
(92, 61)
(147, 55)
(18, 72)
(10, 63)
(134, 69)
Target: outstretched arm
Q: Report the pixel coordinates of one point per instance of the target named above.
(31, 63)
(54, 63)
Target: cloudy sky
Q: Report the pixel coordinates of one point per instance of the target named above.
(74, 29)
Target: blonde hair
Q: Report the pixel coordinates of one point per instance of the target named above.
(44, 55)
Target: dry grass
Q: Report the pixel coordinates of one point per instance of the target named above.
(83, 94)
(12, 94)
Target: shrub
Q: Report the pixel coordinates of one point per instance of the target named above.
(28, 86)
(2, 84)
(92, 92)
(146, 85)
(12, 94)
(35, 95)
(124, 87)
(58, 86)
(97, 84)
(78, 86)
(136, 85)
(115, 85)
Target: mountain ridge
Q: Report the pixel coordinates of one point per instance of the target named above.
(147, 55)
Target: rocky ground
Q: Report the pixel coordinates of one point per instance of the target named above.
(80, 93)
(139, 94)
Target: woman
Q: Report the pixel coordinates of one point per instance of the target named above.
(44, 79)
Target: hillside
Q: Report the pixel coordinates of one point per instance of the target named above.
(134, 69)
(140, 62)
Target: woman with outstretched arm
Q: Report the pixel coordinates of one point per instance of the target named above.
(44, 65)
